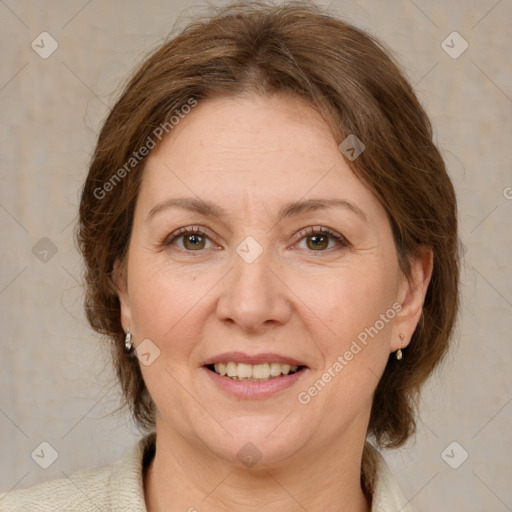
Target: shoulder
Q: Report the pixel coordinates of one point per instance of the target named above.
(113, 487)
(80, 491)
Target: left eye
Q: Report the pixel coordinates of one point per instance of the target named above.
(317, 239)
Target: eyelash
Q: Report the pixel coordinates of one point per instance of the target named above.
(309, 231)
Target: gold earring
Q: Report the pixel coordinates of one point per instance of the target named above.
(399, 351)
(128, 341)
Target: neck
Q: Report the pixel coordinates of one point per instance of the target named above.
(183, 477)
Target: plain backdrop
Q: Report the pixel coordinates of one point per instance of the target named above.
(55, 381)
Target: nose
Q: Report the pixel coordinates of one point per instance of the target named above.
(254, 295)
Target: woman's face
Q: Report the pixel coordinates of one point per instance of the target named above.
(289, 264)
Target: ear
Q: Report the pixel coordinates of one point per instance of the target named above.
(121, 285)
(411, 296)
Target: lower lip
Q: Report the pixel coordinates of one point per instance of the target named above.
(255, 390)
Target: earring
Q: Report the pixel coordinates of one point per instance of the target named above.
(128, 341)
(399, 351)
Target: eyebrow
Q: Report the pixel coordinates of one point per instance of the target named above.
(290, 209)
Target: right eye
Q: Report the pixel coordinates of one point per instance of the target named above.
(193, 238)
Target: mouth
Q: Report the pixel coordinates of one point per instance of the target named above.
(246, 372)
(253, 376)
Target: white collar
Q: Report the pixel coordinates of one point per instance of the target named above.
(387, 495)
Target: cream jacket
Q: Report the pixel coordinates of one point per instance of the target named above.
(119, 487)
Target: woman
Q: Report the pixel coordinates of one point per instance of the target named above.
(270, 240)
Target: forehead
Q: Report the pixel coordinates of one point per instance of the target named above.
(262, 149)
(235, 130)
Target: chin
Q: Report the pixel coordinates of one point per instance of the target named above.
(256, 442)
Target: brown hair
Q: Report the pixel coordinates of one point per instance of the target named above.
(355, 83)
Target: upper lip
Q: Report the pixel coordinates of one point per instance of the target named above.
(242, 357)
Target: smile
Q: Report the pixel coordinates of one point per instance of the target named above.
(253, 372)
(253, 376)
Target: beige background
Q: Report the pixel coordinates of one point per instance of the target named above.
(55, 384)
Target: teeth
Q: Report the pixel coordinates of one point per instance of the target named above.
(275, 369)
(220, 368)
(232, 369)
(261, 371)
(244, 370)
(249, 372)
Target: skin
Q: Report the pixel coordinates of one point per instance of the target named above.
(250, 155)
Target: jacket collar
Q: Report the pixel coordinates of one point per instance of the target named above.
(387, 495)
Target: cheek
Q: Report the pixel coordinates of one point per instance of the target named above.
(351, 300)
(351, 336)
(358, 309)
(168, 305)
(170, 308)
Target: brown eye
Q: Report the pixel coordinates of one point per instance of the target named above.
(193, 241)
(317, 239)
(317, 242)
